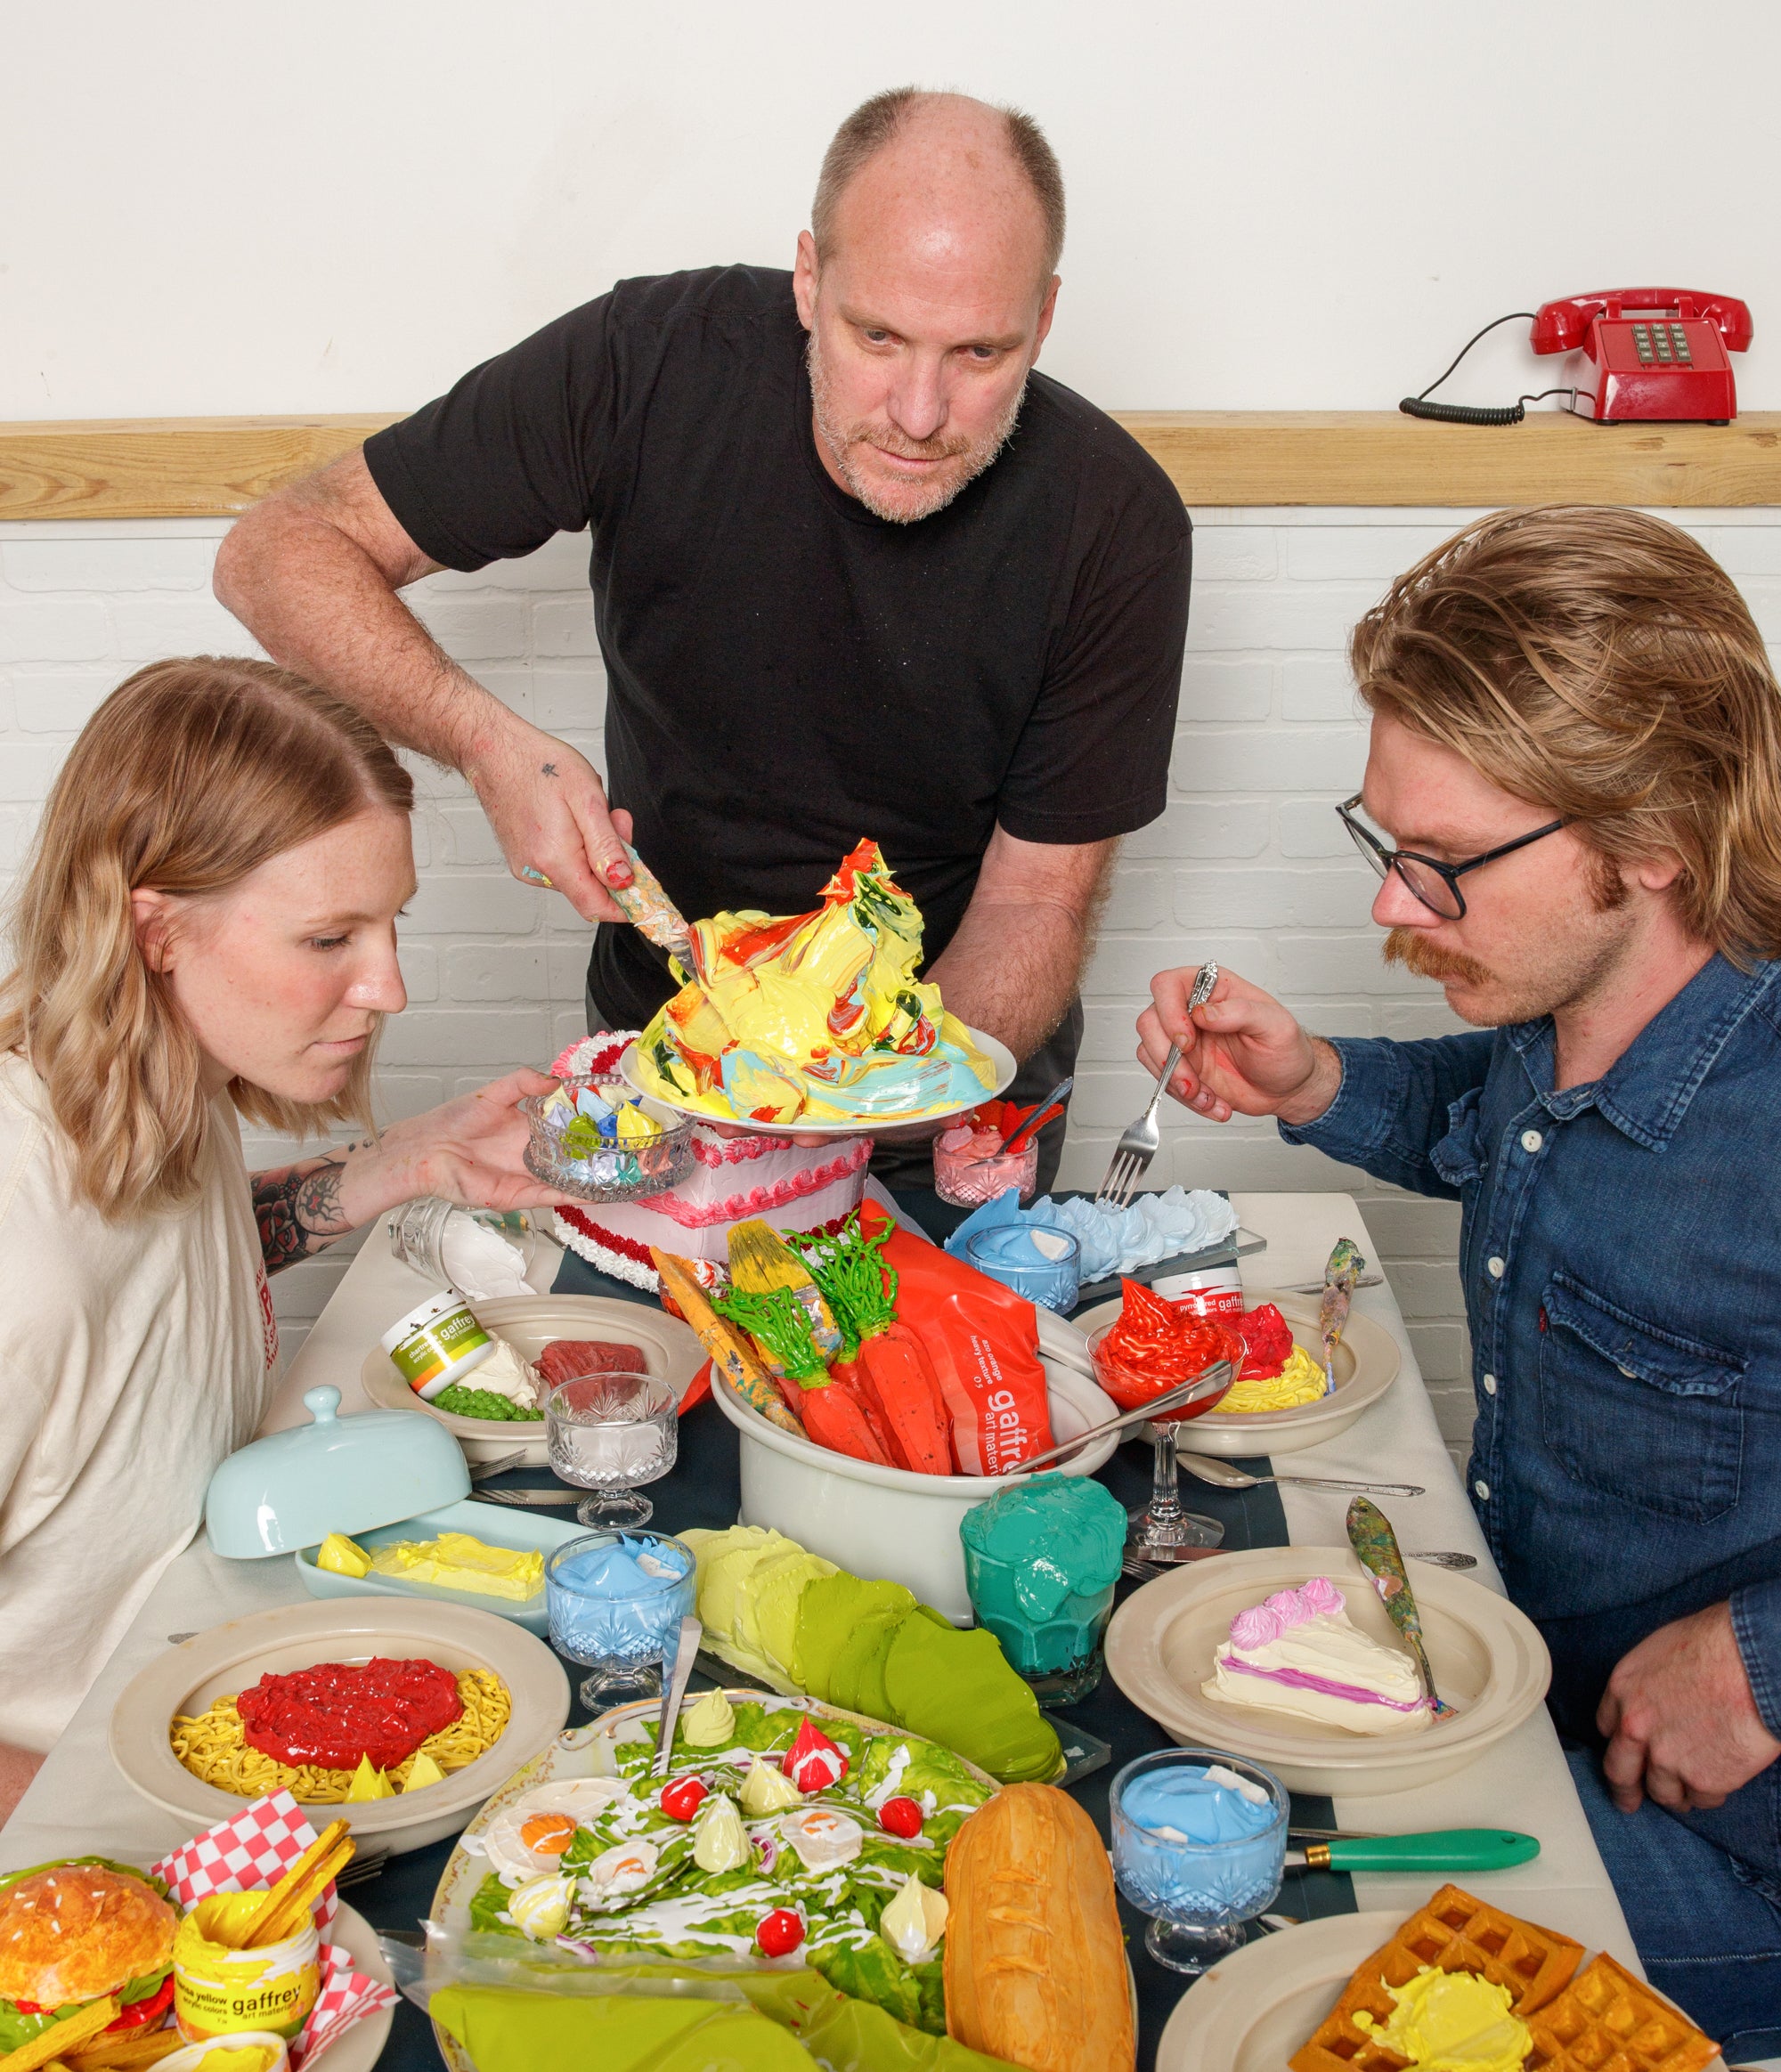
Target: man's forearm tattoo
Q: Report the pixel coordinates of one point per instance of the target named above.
(297, 1209)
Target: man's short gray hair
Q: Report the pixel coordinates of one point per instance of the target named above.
(877, 122)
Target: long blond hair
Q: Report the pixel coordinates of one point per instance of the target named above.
(1601, 665)
(191, 774)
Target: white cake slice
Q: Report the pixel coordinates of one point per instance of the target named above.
(1300, 1653)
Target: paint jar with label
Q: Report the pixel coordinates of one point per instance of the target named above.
(437, 1343)
(1215, 1291)
(219, 1990)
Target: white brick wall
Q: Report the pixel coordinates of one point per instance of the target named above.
(1247, 865)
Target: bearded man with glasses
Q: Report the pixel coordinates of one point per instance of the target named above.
(1573, 803)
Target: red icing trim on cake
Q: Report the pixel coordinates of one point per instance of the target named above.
(717, 1151)
(611, 1252)
(758, 1200)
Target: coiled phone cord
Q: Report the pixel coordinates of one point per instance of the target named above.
(1459, 413)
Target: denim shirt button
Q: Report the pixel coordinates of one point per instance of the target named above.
(1484, 1491)
(1493, 1266)
(1489, 1385)
(1531, 1139)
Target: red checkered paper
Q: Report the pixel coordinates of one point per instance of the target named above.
(250, 1852)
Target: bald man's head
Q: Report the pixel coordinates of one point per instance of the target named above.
(965, 153)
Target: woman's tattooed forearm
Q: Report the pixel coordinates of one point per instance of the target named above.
(297, 1209)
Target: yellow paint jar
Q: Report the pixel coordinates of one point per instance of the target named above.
(218, 1989)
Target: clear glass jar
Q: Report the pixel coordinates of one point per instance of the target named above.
(417, 1236)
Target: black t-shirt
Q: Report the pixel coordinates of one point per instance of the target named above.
(788, 673)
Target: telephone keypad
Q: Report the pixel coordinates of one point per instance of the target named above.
(1664, 345)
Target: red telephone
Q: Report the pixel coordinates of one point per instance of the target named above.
(1650, 354)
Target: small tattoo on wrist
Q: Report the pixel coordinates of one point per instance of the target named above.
(549, 770)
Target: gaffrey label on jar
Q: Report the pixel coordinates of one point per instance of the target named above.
(438, 1346)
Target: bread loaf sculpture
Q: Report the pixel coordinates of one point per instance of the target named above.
(1035, 1957)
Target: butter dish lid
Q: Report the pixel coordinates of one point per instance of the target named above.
(333, 1474)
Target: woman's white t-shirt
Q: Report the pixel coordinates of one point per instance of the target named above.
(133, 1357)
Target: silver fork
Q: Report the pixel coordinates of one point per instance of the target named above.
(1142, 1141)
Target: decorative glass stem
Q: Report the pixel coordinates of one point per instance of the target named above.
(1162, 1529)
(1165, 1494)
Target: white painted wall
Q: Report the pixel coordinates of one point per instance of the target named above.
(214, 207)
(1247, 865)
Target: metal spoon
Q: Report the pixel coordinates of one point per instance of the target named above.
(1214, 1381)
(691, 1633)
(1147, 1571)
(1221, 1475)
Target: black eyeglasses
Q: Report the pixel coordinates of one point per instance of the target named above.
(1436, 884)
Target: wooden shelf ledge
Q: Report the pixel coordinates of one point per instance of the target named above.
(190, 468)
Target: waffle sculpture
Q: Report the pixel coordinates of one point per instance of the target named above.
(1605, 2020)
(1453, 1932)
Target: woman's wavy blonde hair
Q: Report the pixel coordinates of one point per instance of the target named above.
(191, 774)
(1601, 665)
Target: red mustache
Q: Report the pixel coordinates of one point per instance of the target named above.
(1410, 947)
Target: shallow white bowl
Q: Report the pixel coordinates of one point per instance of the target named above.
(878, 1521)
(528, 1322)
(1366, 1365)
(1256, 2007)
(1488, 1660)
(228, 1658)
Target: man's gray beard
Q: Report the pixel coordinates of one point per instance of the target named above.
(973, 461)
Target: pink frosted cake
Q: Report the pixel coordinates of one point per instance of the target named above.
(1299, 1652)
(791, 1186)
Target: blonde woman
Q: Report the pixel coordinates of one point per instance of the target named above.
(206, 930)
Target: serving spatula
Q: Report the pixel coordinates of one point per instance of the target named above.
(1375, 1545)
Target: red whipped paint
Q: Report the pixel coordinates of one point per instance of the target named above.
(336, 1713)
(1267, 1342)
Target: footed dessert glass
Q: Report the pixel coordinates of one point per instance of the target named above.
(612, 1433)
(1198, 1893)
(616, 1602)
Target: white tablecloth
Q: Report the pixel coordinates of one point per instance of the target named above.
(80, 1802)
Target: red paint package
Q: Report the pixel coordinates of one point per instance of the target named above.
(982, 1342)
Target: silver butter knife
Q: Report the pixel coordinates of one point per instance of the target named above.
(691, 1633)
(527, 1499)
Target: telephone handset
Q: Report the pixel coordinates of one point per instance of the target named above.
(1646, 355)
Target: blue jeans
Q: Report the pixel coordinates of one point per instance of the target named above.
(1707, 1927)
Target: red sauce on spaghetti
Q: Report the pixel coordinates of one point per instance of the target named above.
(336, 1712)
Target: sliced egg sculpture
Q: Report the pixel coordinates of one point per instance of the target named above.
(527, 1839)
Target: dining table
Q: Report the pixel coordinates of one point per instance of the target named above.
(80, 1802)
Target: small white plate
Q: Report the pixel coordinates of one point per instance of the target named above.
(1366, 1365)
(225, 1660)
(359, 2048)
(998, 1053)
(1489, 1661)
(528, 1322)
(1250, 2011)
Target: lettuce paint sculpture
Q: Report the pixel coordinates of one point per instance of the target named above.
(814, 1017)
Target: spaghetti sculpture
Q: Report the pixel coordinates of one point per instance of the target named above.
(212, 1745)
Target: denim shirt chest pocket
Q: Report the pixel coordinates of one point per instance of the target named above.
(1636, 1412)
(1458, 1158)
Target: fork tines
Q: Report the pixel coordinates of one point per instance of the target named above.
(1124, 1171)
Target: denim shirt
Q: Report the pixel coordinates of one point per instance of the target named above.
(1619, 1255)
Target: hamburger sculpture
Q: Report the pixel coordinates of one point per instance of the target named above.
(75, 1937)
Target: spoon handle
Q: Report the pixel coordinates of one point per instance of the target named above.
(685, 1656)
(1366, 1489)
(1216, 1379)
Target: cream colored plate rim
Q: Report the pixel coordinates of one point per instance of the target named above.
(577, 1747)
(1372, 1366)
(1209, 2024)
(1521, 1666)
(358, 2049)
(349, 1629)
(993, 1048)
(632, 1323)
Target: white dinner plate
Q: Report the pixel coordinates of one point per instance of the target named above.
(1366, 1365)
(226, 1659)
(359, 2048)
(998, 1053)
(1488, 1659)
(528, 1322)
(1251, 2010)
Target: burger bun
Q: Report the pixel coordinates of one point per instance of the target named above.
(75, 1931)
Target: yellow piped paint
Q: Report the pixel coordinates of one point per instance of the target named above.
(342, 1557)
(1299, 1381)
(457, 1561)
(367, 1783)
(421, 1772)
(1450, 2021)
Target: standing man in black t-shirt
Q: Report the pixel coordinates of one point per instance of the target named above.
(856, 570)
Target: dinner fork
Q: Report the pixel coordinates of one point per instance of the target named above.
(1132, 1155)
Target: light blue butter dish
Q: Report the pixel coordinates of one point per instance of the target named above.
(333, 1474)
(488, 1523)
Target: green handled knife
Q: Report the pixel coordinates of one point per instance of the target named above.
(1447, 1848)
